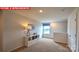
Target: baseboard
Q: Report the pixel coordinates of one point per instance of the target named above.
(48, 37)
(60, 42)
(19, 48)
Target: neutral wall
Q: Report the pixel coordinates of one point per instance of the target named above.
(1, 32)
(13, 30)
(59, 27)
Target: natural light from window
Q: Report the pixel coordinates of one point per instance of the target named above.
(46, 29)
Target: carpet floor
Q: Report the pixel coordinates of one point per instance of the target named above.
(44, 45)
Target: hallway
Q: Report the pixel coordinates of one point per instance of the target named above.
(44, 45)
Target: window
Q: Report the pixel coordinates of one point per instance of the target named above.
(46, 28)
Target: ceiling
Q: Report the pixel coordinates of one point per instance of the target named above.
(48, 14)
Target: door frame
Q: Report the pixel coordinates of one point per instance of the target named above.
(76, 31)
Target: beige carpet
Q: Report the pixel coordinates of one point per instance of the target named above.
(44, 45)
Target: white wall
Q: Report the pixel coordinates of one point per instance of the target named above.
(78, 30)
(72, 30)
(38, 29)
(59, 27)
(13, 32)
